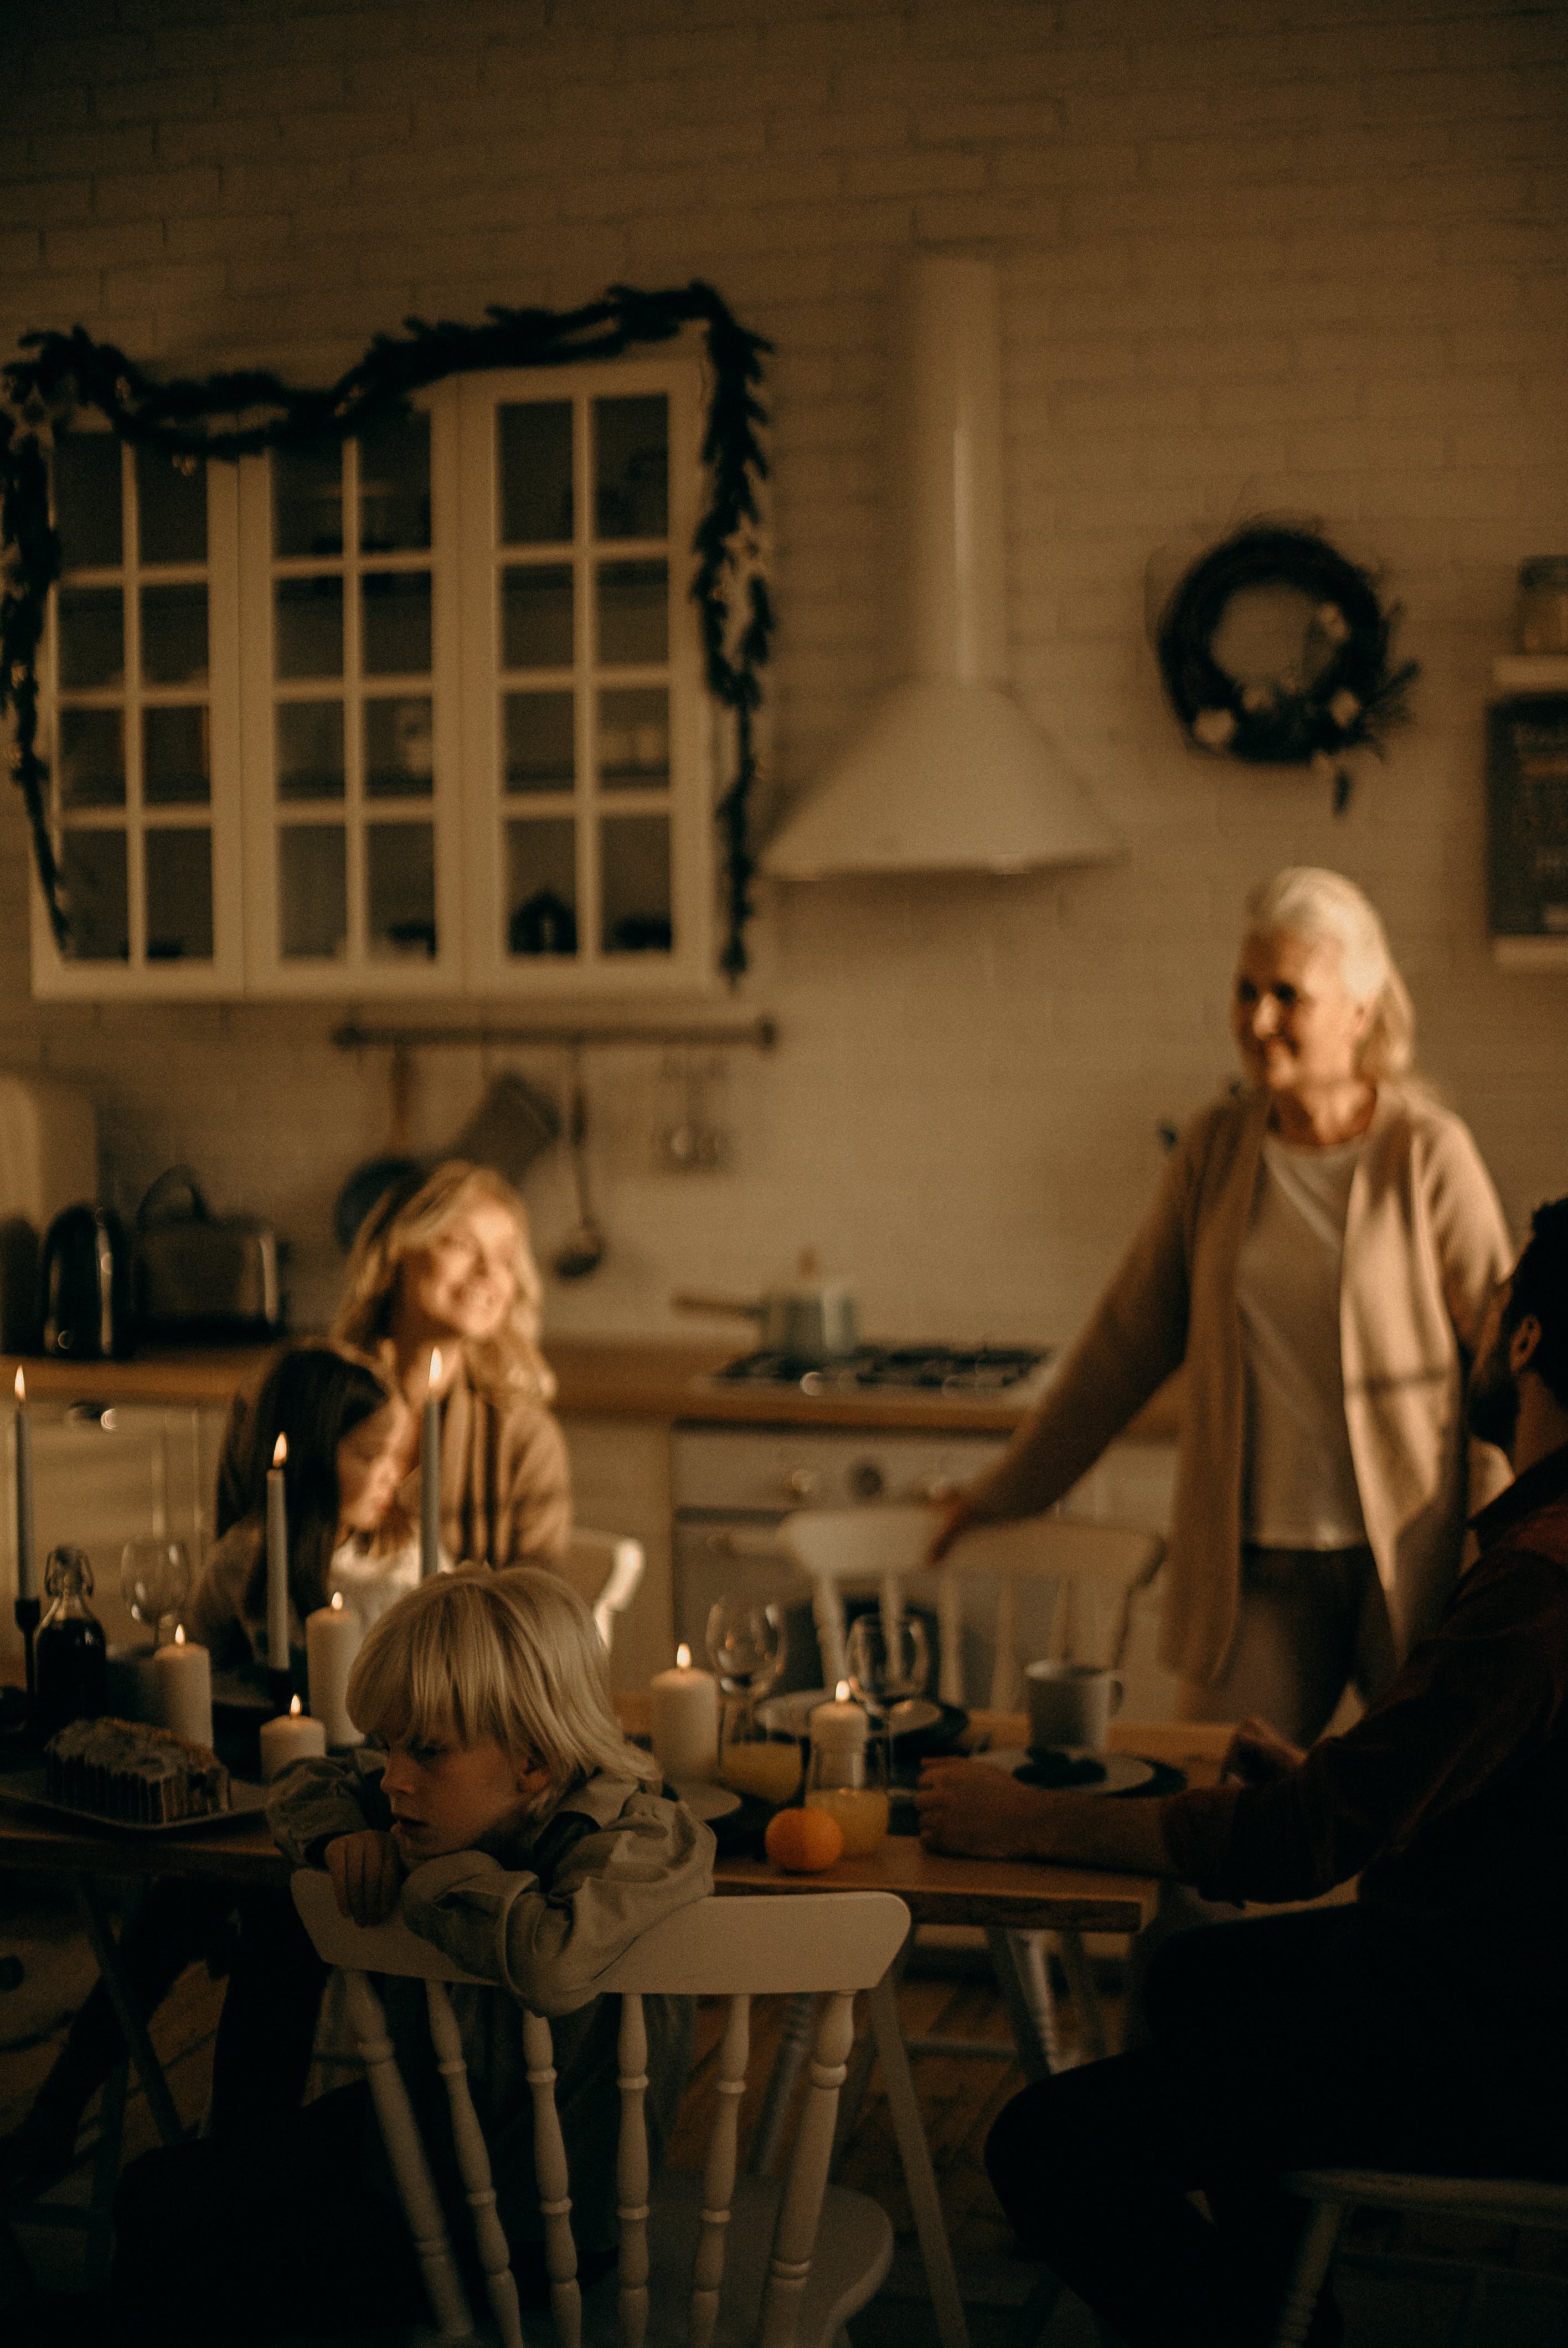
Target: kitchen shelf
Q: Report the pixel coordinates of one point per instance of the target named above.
(1530, 672)
(578, 1035)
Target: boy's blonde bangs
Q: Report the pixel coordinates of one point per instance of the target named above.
(511, 1656)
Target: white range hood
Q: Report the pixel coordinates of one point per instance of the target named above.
(947, 774)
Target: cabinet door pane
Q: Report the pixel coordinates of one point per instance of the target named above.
(399, 752)
(174, 635)
(395, 485)
(635, 887)
(92, 758)
(171, 509)
(537, 616)
(534, 444)
(633, 612)
(400, 873)
(176, 758)
(541, 887)
(632, 467)
(309, 750)
(313, 891)
(93, 867)
(634, 738)
(307, 501)
(92, 636)
(180, 894)
(87, 501)
(395, 618)
(541, 750)
(310, 627)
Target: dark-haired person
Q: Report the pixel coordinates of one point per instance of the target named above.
(1422, 2028)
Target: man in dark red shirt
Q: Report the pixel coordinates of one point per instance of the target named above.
(1425, 2027)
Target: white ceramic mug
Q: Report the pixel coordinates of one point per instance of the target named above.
(1070, 1705)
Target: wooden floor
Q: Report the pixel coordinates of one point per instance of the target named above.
(1411, 2305)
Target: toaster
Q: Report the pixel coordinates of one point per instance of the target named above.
(199, 1274)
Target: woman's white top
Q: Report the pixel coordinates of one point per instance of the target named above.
(1298, 1479)
(369, 1581)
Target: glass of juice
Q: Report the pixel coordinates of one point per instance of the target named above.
(846, 1776)
(753, 1761)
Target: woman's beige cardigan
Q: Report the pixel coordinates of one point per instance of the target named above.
(1424, 1240)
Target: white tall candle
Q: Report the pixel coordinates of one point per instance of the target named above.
(332, 1636)
(430, 1474)
(182, 1675)
(292, 1736)
(27, 1575)
(277, 1562)
(684, 1719)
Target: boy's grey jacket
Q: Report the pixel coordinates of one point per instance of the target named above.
(542, 1911)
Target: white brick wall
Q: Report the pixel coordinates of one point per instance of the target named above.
(1301, 255)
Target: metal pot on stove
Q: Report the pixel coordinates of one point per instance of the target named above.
(815, 1322)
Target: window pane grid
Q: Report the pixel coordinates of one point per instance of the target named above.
(623, 626)
(370, 714)
(112, 898)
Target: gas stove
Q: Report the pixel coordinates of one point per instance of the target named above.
(911, 1369)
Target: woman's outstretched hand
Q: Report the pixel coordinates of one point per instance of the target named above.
(954, 1515)
(1259, 1756)
(367, 1875)
(968, 1807)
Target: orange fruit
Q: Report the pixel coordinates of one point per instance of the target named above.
(803, 1842)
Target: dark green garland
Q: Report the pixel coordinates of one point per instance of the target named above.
(260, 412)
(1285, 722)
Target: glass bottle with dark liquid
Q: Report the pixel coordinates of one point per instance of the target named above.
(69, 1649)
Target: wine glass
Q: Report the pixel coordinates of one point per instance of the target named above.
(745, 1646)
(154, 1582)
(887, 1660)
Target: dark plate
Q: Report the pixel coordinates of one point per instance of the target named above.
(941, 1736)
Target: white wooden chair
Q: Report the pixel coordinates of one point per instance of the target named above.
(739, 2258)
(1096, 1572)
(604, 1569)
(1500, 2201)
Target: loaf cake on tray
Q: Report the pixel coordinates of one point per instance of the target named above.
(123, 1770)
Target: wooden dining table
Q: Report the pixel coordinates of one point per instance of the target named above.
(1001, 1895)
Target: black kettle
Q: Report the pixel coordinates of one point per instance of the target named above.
(86, 1285)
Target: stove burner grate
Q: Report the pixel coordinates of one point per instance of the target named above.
(944, 1369)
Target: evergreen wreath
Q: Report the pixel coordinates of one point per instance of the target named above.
(242, 414)
(1296, 718)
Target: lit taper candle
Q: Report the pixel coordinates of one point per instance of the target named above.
(430, 1473)
(277, 1562)
(27, 1575)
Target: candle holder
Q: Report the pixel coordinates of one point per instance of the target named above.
(28, 1611)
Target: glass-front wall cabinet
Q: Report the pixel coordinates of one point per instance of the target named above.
(421, 712)
(141, 721)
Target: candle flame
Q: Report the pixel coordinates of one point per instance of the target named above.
(435, 1365)
(180, 1634)
(280, 1450)
(293, 1707)
(683, 1658)
(841, 1693)
(337, 1601)
(21, 1388)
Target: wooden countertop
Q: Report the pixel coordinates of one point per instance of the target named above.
(600, 1377)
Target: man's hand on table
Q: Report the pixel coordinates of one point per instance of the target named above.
(970, 1809)
(367, 1875)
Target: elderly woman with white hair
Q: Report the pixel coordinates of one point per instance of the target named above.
(1320, 1255)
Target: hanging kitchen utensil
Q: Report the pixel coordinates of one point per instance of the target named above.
(371, 1181)
(582, 1249)
(513, 1123)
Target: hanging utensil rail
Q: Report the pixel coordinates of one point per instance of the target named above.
(752, 1035)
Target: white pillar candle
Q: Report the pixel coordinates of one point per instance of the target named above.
(182, 1677)
(684, 1719)
(27, 1575)
(277, 1562)
(430, 1474)
(841, 1724)
(333, 1634)
(292, 1736)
